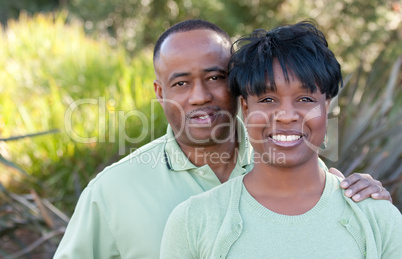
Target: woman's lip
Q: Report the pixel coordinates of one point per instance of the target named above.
(291, 143)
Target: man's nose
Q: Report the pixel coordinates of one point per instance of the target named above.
(200, 94)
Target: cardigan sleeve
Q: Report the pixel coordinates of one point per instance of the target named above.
(175, 242)
(390, 224)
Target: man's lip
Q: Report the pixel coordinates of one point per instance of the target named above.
(202, 113)
(205, 116)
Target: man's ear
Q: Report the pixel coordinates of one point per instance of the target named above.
(244, 107)
(158, 91)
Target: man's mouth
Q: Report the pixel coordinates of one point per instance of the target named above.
(203, 116)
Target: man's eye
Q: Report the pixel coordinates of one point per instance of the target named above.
(181, 83)
(214, 78)
(305, 99)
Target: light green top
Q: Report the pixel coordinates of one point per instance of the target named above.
(123, 211)
(227, 222)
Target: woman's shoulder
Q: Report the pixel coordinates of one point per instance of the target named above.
(216, 200)
(375, 210)
(378, 214)
(218, 195)
(379, 209)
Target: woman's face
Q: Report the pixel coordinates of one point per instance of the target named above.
(286, 127)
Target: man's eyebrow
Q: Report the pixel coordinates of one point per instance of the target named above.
(213, 69)
(210, 69)
(175, 75)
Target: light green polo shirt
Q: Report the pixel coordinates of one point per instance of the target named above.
(123, 211)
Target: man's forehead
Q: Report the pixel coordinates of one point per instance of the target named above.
(192, 46)
(194, 39)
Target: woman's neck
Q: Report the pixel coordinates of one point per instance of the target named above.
(286, 190)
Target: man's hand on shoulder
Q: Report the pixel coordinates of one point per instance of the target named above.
(361, 186)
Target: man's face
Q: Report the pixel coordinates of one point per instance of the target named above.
(191, 86)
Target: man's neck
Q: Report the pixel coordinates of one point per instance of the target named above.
(220, 157)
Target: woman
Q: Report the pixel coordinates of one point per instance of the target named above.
(287, 206)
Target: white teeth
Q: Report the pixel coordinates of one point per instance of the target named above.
(204, 117)
(286, 137)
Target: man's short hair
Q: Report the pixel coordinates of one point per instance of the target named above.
(300, 48)
(188, 25)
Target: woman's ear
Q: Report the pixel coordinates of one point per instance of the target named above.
(244, 107)
(327, 105)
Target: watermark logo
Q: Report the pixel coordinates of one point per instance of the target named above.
(112, 126)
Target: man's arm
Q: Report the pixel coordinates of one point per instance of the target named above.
(87, 235)
(361, 186)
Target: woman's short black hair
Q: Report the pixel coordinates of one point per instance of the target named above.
(300, 48)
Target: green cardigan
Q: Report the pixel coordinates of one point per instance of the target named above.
(207, 225)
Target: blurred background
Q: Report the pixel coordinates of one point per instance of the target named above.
(71, 71)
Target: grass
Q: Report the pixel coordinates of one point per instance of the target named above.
(55, 77)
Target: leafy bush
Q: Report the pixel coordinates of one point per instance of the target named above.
(54, 77)
(368, 132)
(349, 25)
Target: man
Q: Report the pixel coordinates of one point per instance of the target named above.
(123, 211)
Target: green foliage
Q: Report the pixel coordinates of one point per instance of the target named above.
(11, 9)
(368, 132)
(356, 29)
(54, 77)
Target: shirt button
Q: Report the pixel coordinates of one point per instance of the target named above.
(201, 173)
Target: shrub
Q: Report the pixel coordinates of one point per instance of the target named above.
(55, 77)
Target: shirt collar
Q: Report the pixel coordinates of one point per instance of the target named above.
(178, 161)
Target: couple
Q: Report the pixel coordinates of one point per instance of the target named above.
(122, 213)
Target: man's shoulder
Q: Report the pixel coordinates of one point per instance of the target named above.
(139, 163)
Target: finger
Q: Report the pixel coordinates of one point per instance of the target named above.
(351, 180)
(336, 172)
(382, 195)
(366, 192)
(357, 186)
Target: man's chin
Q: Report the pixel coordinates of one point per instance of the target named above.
(201, 140)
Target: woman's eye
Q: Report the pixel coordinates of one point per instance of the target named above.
(181, 83)
(305, 99)
(268, 100)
